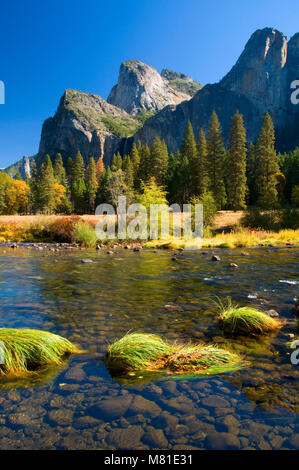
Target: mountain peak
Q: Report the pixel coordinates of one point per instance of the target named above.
(141, 88)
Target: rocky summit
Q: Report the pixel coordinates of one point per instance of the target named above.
(141, 88)
(259, 82)
(145, 104)
(85, 122)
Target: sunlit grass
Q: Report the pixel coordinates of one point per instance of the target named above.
(245, 320)
(146, 352)
(241, 238)
(24, 351)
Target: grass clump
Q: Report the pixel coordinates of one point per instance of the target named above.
(136, 351)
(245, 320)
(24, 351)
(85, 235)
(146, 352)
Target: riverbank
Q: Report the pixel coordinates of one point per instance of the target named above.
(59, 232)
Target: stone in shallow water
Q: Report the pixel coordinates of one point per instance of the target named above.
(215, 401)
(293, 441)
(111, 407)
(155, 438)
(222, 441)
(126, 439)
(145, 407)
(61, 417)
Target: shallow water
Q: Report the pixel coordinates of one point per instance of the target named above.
(82, 407)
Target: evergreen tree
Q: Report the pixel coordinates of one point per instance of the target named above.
(59, 170)
(46, 181)
(171, 182)
(189, 150)
(202, 163)
(91, 183)
(236, 164)
(252, 174)
(128, 170)
(145, 163)
(116, 163)
(100, 168)
(159, 160)
(78, 188)
(135, 159)
(18, 176)
(267, 165)
(216, 158)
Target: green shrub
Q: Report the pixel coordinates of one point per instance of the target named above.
(85, 235)
(209, 207)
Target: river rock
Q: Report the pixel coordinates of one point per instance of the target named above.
(215, 401)
(112, 407)
(61, 417)
(144, 406)
(126, 439)
(155, 438)
(222, 441)
(215, 258)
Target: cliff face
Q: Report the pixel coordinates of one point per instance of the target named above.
(259, 82)
(141, 88)
(87, 123)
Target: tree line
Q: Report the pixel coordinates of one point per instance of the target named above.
(202, 170)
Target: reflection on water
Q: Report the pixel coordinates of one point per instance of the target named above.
(82, 407)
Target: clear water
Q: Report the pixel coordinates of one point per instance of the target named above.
(82, 407)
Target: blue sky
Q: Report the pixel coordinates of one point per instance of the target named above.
(48, 46)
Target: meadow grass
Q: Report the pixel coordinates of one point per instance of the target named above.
(24, 351)
(85, 235)
(146, 352)
(245, 320)
(241, 238)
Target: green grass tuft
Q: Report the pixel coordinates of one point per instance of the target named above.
(135, 351)
(146, 352)
(245, 320)
(25, 351)
(85, 235)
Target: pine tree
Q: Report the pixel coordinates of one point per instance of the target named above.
(159, 160)
(100, 168)
(91, 183)
(135, 159)
(189, 150)
(145, 163)
(18, 176)
(236, 164)
(252, 174)
(216, 158)
(128, 170)
(171, 182)
(78, 189)
(59, 170)
(46, 187)
(202, 163)
(116, 163)
(267, 164)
